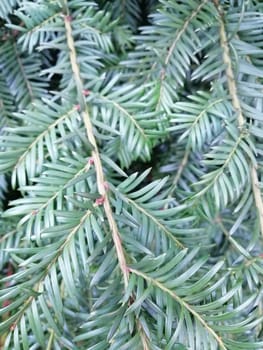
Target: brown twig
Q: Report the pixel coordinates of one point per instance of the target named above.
(95, 153)
(232, 87)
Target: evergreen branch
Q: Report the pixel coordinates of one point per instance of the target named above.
(202, 114)
(179, 172)
(42, 206)
(232, 87)
(143, 336)
(233, 242)
(6, 101)
(126, 113)
(181, 168)
(173, 46)
(89, 259)
(56, 122)
(228, 159)
(51, 340)
(194, 117)
(21, 73)
(101, 183)
(187, 306)
(156, 222)
(257, 195)
(230, 152)
(182, 31)
(27, 82)
(43, 23)
(38, 287)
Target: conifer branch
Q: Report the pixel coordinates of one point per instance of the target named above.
(22, 70)
(257, 195)
(187, 306)
(181, 168)
(36, 140)
(232, 87)
(179, 172)
(173, 46)
(241, 120)
(126, 113)
(38, 286)
(51, 340)
(143, 336)
(157, 222)
(101, 181)
(77, 223)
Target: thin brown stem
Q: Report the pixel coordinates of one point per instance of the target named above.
(181, 167)
(101, 180)
(257, 195)
(231, 82)
(143, 336)
(241, 120)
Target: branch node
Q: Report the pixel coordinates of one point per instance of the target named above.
(91, 161)
(86, 92)
(100, 200)
(68, 18)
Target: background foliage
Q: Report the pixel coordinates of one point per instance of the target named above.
(131, 159)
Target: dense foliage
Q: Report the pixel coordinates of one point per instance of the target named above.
(131, 148)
